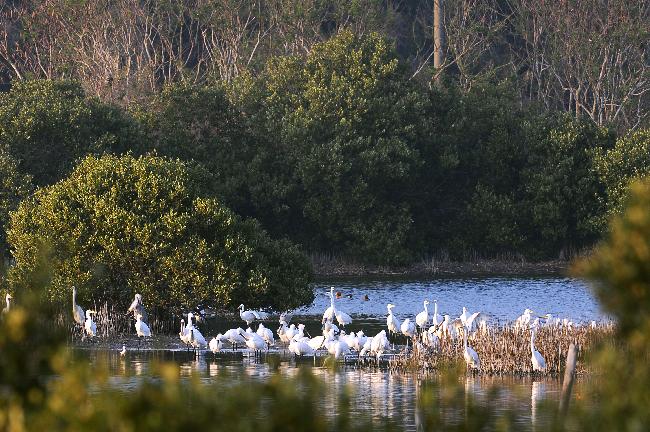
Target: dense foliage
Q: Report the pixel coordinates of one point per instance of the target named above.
(341, 152)
(620, 268)
(120, 225)
(47, 125)
(14, 187)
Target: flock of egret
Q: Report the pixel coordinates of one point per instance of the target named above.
(426, 331)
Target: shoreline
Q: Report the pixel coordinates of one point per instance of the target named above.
(340, 268)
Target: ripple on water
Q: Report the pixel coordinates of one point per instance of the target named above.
(502, 298)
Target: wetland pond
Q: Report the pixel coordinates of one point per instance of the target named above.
(378, 392)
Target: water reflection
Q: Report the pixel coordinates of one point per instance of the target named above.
(380, 393)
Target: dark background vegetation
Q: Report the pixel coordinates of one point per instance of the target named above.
(327, 123)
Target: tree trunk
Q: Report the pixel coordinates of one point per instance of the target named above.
(437, 40)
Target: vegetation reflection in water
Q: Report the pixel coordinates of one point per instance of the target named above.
(377, 393)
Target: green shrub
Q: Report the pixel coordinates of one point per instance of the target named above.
(119, 225)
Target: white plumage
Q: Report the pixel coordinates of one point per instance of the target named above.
(392, 323)
(89, 325)
(141, 329)
(422, 318)
(248, 315)
(77, 311)
(539, 364)
(408, 328)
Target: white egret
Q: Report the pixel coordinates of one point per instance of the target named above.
(184, 334)
(362, 338)
(436, 319)
(138, 308)
(430, 338)
(332, 313)
(463, 317)
(539, 364)
(341, 348)
(523, 321)
(282, 332)
(8, 298)
(392, 323)
(123, 352)
(379, 344)
(248, 315)
(408, 328)
(266, 334)
(286, 317)
(196, 338)
(234, 337)
(301, 348)
(291, 332)
(216, 344)
(328, 326)
(477, 320)
(316, 342)
(471, 357)
(253, 340)
(366, 347)
(77, 311)
(422, 318)
(89, 324)
(141, 329)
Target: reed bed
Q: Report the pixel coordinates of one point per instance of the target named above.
(506, 350)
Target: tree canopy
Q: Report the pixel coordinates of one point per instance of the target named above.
(120, 225)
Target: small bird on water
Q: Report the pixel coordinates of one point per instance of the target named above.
(123, 352)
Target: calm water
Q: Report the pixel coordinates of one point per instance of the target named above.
(502, 298)
(376, 393)
(379, 392)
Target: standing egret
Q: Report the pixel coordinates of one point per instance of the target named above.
(332, 313)
(141, 329)
(523, 321)
(196, 338)
(436, 319)
(301, 348)
(234, 337)
(123, 352)
(392, 323)
(216, 343)
(471, 357)
(380, 343)
(184, 334)
(266, 334)
(8, 307)
(282, 332)
(464, 316)
(539, 364)
(248, 315)
(77, 311)
(422, 318)
(408, 329)
(138, 308)
(89, 325)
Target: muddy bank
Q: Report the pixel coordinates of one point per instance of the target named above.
(335, 267)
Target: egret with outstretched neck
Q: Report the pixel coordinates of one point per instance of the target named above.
(422, 318)
(77, 311)
(539, 364)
